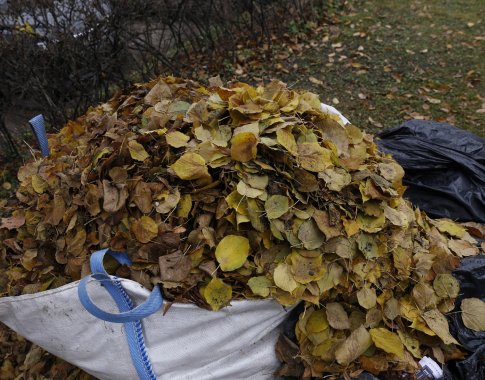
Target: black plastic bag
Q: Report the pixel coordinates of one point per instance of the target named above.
(471, 275)
(444, 168)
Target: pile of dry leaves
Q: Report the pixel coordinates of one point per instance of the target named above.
(220, 193)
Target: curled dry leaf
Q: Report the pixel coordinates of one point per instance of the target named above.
(355, 345)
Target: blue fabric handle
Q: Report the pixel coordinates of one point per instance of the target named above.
(112, 284)
(129, 315)
(38, 127)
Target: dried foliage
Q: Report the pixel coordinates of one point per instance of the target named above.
(233, 192)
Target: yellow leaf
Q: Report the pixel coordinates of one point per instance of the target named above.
(391, 171)
(243, 147)
(184, 206)
(137, 151)
(237, 202)
(285, 138)
(355, 345)
(283, 278)
(450, 227)
(310, 235)
(159, 132)
(367, 298)
(232, 252)
(313, 157)
(75, 245)
(177, 139)
(396, 218)
(411, 344)
(178, 107)
(446, 286)
(276, 206)
(369, 223)
(38, 184)
(244, 189)
(325, 350)
(190, 166)
(391, 309)
(368, 245)
(463, 248)
(351, 227)
(58, 209)
(335, 178)
(257, 181)
(289, 102)
(100, 154)
(420, 325)
(145, 229)
(255, 211)
(331, 278)
(317, 322)
(408, 309)
(166, 201)
(424, 296)
(387, 341)
(439, 324)
(260, 285)
(306, 266)
(217, 293)
(473, 313)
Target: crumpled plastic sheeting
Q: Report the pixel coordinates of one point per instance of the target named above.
(444, 168)
(471, 275)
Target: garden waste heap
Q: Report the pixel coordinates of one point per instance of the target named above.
(221, 193)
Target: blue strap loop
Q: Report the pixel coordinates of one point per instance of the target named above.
(38, 127)
(129, 315)
(150, 306)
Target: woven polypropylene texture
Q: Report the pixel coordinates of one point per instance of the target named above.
(38, 127)
(237, 342)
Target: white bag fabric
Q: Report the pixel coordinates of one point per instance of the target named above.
(332, 111)
(237, 342)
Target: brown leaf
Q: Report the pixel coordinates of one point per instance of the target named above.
(142, 197)
(243, 147)
(91, 200)
(323, 222)
(113, 198)
(337, 317)
(57, 211)
(174, 267)
(13, 222)
(75, 245)
(145, 229)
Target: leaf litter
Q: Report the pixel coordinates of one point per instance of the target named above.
(234, 192)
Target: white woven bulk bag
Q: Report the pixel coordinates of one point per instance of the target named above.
(237, 342)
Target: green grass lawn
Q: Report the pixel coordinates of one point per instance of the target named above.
(385, 61)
